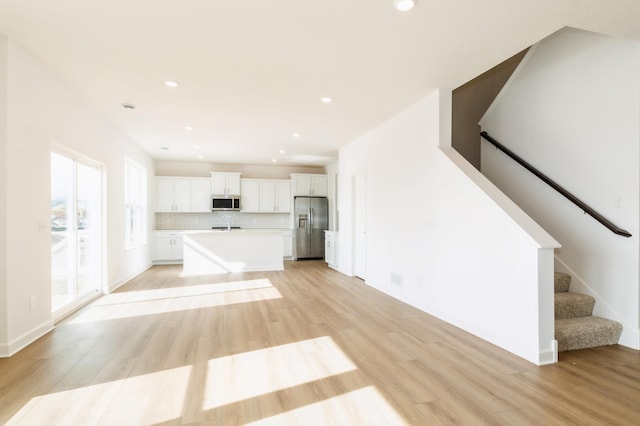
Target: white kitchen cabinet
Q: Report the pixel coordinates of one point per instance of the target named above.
(331, 248)
(174, 195)
(282, 196)
(275, 196)
(266, 196)
(223, 183)
(287, 244)
(183, 195)
(250, 201)
(168, 246)
(200, 195)
(309, 185)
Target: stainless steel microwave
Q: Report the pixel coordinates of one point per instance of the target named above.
(225, 202)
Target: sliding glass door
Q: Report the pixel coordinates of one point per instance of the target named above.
(76, 230)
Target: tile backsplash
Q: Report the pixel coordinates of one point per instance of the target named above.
(208, 220)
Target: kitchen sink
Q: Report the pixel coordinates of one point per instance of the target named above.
(224, 228)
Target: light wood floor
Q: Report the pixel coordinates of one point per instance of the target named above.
(304, 346)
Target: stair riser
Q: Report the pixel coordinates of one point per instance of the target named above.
(571, 305)
(577, 343)
(561, 282)
(587, 332)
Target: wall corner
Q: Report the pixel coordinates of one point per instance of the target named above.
(445, 97)
(4, 134)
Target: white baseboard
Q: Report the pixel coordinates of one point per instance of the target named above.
(123, 281)
(630, 338)
(16, 345)
(549, 356)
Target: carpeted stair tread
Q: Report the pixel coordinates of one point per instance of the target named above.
(586, 332)
(561, 282)
(570, 305)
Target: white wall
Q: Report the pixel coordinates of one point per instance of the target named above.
(332, 179)
(479, 271)
(572, 110)
(249, 171)
(40, 112)
(3, 192)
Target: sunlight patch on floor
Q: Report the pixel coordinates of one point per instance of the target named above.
(146, 399)
(364, 406)
(189, 290)
(250, 374)
(177, 299)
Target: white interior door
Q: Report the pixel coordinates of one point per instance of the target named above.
(360, 225)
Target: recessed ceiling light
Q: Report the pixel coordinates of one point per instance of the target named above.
(281, 151)
(188, 128)
(128, 106)
(326, 100)
(404, 5)
(164, 148)
(296, 135)
(196, 147)
(274, 160)
(200, 157)
(170, 83)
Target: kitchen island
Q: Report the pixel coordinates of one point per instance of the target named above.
(237, 250)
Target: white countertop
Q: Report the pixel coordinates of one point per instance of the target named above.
(191, 231)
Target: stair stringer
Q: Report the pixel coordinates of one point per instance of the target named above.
(547, 346)
(630, 334)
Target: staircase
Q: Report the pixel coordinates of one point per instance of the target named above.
(575, 327)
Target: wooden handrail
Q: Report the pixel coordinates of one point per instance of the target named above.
(575, 200)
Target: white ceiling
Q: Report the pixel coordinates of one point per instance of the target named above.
(252, 72)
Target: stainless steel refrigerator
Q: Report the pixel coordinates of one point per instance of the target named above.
(311, 217)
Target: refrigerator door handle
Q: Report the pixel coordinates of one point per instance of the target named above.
(310, 226)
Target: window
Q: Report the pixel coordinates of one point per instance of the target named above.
(135, 178)
(76, 229)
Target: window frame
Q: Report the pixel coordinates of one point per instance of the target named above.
(135, 204)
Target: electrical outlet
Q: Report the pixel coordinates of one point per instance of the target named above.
(396, 279)
(617, 202)
(32, 302)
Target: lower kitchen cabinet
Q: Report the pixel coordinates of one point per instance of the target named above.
(168, 246)
(331, 248)
(287, 244)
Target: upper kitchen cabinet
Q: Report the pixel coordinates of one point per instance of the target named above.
(183, 195)
(200, 195)
(266, 196)
(250, 201)
(174, 195)
(223, 183)
(275, 196)
(309, 185)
